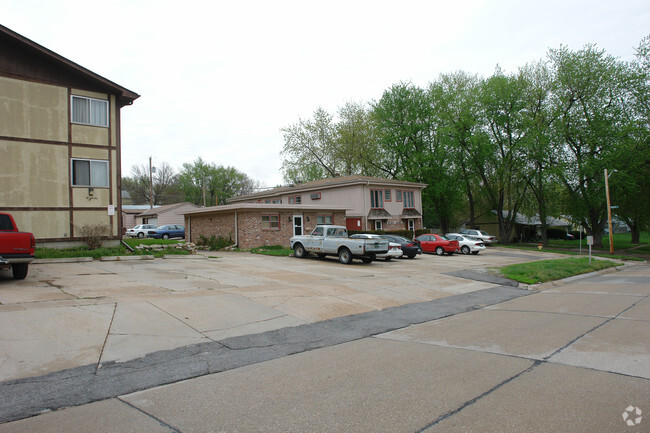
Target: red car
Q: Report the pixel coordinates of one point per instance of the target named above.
(438, 244)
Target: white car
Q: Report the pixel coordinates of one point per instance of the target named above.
(394, 249)
(140, 230)
(480, 235)
(467, 244)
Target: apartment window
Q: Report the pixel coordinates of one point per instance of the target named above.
(386, 195)
(270, 222)
(295, 200)
(324, 219)
(89, 111)
(408, 199)
(376, 198)
(398, 195)
(88, 172)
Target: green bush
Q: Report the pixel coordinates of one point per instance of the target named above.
(214, 243)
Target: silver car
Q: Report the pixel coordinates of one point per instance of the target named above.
(140, 230)
(467, 244)
(394, 249)
(481, 235)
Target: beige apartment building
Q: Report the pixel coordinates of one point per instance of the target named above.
(372, 203)
(59, 142)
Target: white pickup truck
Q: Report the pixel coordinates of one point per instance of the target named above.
(328, 240)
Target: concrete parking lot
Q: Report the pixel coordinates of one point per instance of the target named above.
(255, 343)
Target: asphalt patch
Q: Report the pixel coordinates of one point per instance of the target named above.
(31, 396)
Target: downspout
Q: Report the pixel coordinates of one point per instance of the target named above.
(365, 207)
(236, 228)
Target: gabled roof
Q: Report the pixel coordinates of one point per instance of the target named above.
(23, 58)
(167, 208)
(332, 182)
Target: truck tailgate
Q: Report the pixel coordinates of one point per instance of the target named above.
(15, 244)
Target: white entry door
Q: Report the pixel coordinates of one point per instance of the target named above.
(297, 225)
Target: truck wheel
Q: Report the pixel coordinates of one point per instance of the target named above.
(440, 251)
(299, 251)
(345, 256)
(19, 270)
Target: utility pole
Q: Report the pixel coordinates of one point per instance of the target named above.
(150, 185)
(609, 213)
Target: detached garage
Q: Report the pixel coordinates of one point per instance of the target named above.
(252, 225)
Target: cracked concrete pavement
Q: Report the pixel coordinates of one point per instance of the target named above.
(252, 343)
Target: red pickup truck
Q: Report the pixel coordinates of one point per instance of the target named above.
(16, 248)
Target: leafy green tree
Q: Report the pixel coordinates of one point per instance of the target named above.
(498, 156)
(327, 147)
(591, 129)
(412, 147)
(311, 142)
(457, 106)
(207, 184)
(633, 179)
(538, 119)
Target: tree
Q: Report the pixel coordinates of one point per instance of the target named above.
(325, 147)
(458, 108)
(591, 129)
(412, 147)
(138, 185)
(538, 119)
(207, 184)
(311, 142)
(498, 154)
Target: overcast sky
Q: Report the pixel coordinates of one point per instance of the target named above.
(218, 80)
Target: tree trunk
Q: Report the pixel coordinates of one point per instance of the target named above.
(636, 233)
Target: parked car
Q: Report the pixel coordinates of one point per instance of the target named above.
(166, 232)
(140, 230)
(481, 235)
(394, 248)
(409, 248)
(16, 247)
(333, 240)
(433, 243)
(468, 244)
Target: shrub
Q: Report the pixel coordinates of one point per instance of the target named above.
(92, 234)
(214, 243)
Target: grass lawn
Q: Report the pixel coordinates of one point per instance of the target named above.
(121, 250)
(622, 241)
(550, 270)
(272, 250)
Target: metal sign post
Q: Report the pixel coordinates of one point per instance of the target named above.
(590, 242)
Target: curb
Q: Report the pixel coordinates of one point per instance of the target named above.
(64, 260)
(125, 258)
(185, 257)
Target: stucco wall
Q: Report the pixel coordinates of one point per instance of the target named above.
(35, 166)
(33, 174)
(33, 110)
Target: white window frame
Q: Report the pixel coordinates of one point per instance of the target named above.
(91, 182)
(90, 114)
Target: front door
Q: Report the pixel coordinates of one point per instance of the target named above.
(297, 225)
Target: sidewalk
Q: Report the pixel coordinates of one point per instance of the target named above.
(572, 357)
